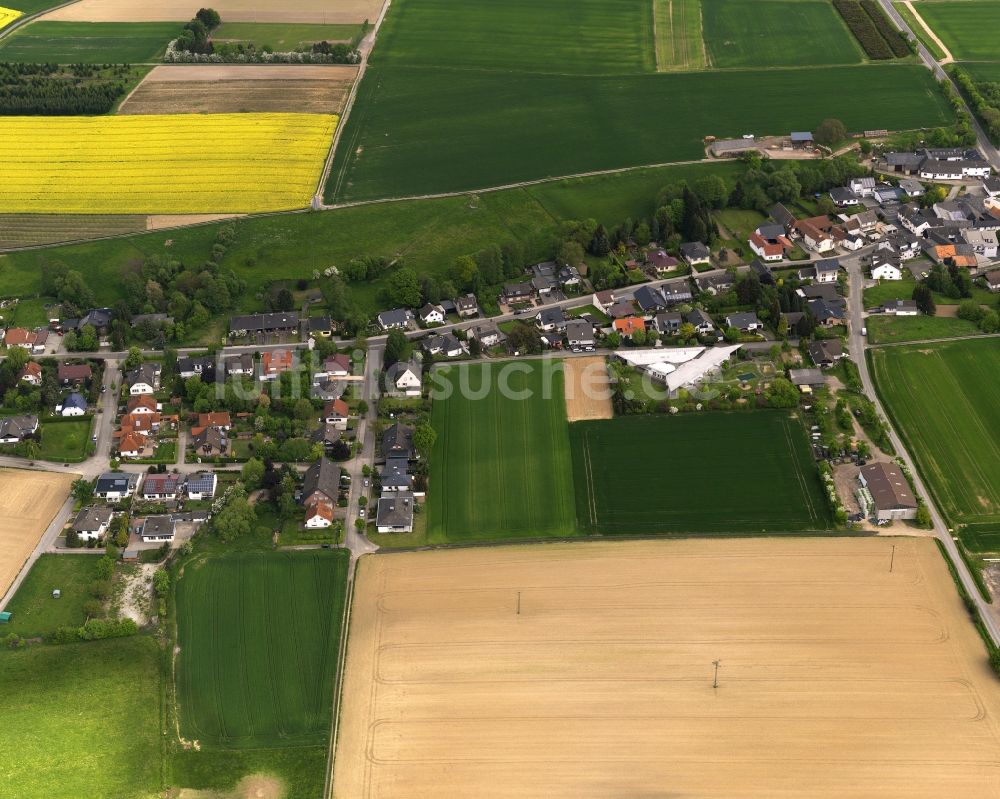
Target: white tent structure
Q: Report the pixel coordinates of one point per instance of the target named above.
(678, 367)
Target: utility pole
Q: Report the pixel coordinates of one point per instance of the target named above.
(715, 680)
(892, 558)
(518, 603)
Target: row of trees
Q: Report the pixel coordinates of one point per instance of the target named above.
(984, 99)
(876, 35)
(195, 36)
(51, 90)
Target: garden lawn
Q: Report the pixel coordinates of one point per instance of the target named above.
(65, 440)
(776, 33)
(896, 329)
(744, 472)
(283, 37)
(89, 42)
(81, 720)
(501, 467)
(36, 613)
(259, 634)
(426, 130)
(968, 28)
(944, 400)
(584, 37)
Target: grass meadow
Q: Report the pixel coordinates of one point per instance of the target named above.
(416, 131)
(896, 330)
(501, 467)
(89, 42)
(968, 28)
(776, 33)
(259, 635)
(65, 440)
(727, 473)
(36, 613)
(944, 400)
(81, 720)
(301, 769)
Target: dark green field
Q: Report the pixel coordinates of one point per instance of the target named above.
(258, 636)
(36, 613)
(81, 720)
(424, 130)
(89, 42)
(729, 473)
(501, 466)
(776, 33)
(983, 70)
(282, 37)
(968, 28)
(944, 400)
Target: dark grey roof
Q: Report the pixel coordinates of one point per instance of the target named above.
(90, 520)
(826, 291)
(120, 482)
(827, 265)
(579, 330)
(146, 373)
(318, 324)
(771, 231)
(551, 316)
(326, 433)
(397, 440)
(826, 350)
(75, 400)
(782, 216)
(396, 474)
(698, 317)
(397, 316)
(742, 320)
(806, 377)
(157, 526)
(825, 310)
(211, 437)
(695, 249)
(201, 482)
(260, 322)
(763, 272)
(649, 299)
(842, 194)
(18, 426)
(322, 476)
(395, 510)
(888, 486)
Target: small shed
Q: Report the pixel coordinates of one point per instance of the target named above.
(5, 617)
(56, 593)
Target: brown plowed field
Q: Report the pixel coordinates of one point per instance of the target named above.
(210, 89)
(312, 11)
(588, 395)
(28, 502)
(585, 671)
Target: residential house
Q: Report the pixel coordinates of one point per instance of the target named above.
(849, 240)
(133, 444)
(31, 340)
(274, 362)
(862, 187)
(142, 404)
(407, 378)
(397, 441)
(92, 523)
(194, 367)
(336, 413)
(580, 334)
(886, 265)
(569, 277)
(659, 262)
(900, 308)
(220, 419)
(763, 272)
(327, 435)
(807, 379)
(396, 319)
(161, 487)
(620, 310)
(544, 279)
(74, 373)
(432, 314)
(828, 312)
(913, 219)
(488, 334)
(814, 238)
(783, 217)
(517, 293)
(817, 291)
(983, 242)
(667, 324)
(936, 169)
(157, 529)
(277, 323)
(210, 442)
(826, 352)
(448, 346)
(240, 365)
(467, 306)
(992, 279)
(201, 485)
(650, 300)
(333, 367)
(745, 322)
(714, 284)
(17, 428)
(827, 270)
(116, 486)
(396, 477)
(395, 513)
(913, 188)
(702, 322)
(321, 326)
(74, 405)
(97, 318)
(629, 326)
(770, 242)
(603, 300)
(31, 374)
(890, 491)
(145, 379)
(695, 253)
(676, 292)
(551, 319)
(320, 481)
(843, 197)
(319, 515)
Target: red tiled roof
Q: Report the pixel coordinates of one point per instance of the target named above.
(629, 325)
(336, 407)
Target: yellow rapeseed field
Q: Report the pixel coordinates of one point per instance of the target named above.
(7, 16)
(176, 164)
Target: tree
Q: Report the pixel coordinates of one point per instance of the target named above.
(424, 437)
(711, 190)
(253, 473)
(362, 408)
(403, 288)
(303, 410)
(209, 17)
(17, 358)
(475, 347)
(830, 132)
(283, 300)
(686, 331)
(570, 254)
(782, 394)
(82, 490)
(133, 359)
(924, 299)
(397, 347)
(236, 519)
(286, 499)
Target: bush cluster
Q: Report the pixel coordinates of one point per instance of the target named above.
(865, 30)
(95, 630)
(984, 98)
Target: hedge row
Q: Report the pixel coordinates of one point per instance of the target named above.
(893, 36)
(864, 29)
(982, 106)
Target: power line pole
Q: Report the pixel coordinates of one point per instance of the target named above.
(892, 558)
(715, 680)
(518, 603)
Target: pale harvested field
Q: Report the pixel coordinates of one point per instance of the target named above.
(837, 679)
(161, 221)
(588, 393)
(28, 502)
(210, 89)
(333, 12)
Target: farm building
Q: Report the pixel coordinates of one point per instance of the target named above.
(889, 491)
(733, 148)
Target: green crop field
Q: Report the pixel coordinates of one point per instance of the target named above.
(259, 635)
(81, 720)
(425, 130)
(944, 400)
(737, 473)
(895, 330)
(88, 42)
(679, 43)
(903, 10)
(983, 70)
(968, 28)
(776, 33)
(36, 613)
(501, 466)
(282, 37)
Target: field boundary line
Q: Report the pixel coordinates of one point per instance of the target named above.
(338, 683)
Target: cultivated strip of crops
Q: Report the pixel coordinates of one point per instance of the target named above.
(178, 164)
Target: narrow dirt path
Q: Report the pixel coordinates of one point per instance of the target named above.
(948, 59)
